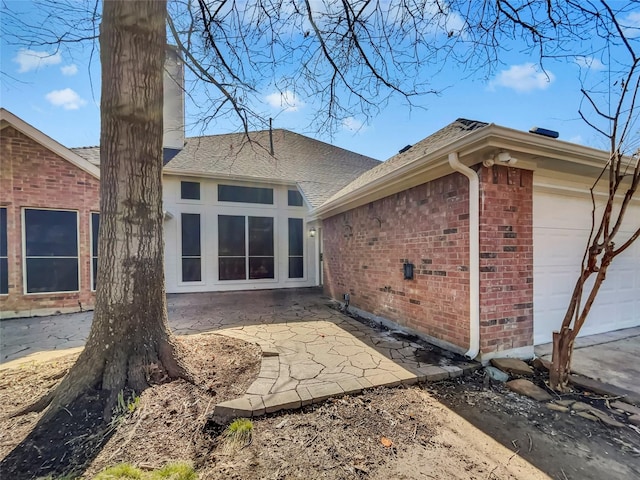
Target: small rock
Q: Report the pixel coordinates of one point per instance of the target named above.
(581, 407)
(565, 403)
(635, 420)
(588, 416)
(625, 407)
(541, 365)
(527, 388)
(606, 419)
(512, 365)
(496, 374)
(557, 408)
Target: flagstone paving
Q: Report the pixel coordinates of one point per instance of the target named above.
(310, 351)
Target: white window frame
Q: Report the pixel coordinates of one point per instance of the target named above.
(24, 249)
(179, 256)
(303, 278)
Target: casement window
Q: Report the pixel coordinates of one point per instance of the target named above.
(4, 259)
(245, 247)
(51, 250)
(232, 193)
(294, 198)
(296, 248)
(191, 248)
(95, 230)
(190, 190)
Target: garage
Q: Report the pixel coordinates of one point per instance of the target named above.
(561, 225)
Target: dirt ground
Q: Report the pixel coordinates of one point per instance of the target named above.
(432, 431)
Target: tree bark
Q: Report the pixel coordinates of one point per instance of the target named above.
(130, 342)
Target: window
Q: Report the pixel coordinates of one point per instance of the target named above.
(239, 235)
(191, 248)
(51, 247)
(95, 230)
(295, 198)
(296, 248)
(231, 193)
(4, 259)
(190, 190)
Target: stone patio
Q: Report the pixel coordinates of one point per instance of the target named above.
(310, 351)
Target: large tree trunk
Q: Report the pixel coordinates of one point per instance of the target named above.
(130, 341)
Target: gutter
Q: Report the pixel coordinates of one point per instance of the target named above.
(474, 254)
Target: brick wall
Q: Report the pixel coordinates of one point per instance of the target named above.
(365, 248)
(33, 176)
(428, 225)
(506, 258)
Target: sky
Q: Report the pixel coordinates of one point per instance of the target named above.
(58, 93)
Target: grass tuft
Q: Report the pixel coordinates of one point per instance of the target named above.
(126, 471)
(237, 435)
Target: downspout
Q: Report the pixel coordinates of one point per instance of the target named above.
(474, 254)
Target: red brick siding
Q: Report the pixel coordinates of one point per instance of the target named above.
(506, 258)
(33, 176)
(428, 225)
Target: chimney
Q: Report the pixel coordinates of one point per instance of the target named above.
(173, 111)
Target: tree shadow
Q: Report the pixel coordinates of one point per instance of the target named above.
(65, 444)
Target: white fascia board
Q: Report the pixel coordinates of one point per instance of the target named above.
(8, 118)
(434, 165)
(222, 176)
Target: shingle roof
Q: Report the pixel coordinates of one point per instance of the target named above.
(442, 137)
(320, 169)
(89, 153)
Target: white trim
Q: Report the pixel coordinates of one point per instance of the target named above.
(8, 118)
(24, 250)
(528, 148)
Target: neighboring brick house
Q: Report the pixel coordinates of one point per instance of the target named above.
(473, 238)
(49, 199)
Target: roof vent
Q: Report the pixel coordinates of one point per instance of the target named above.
(544, 132)
(402, 150)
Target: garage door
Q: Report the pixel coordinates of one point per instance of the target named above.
(561, 228)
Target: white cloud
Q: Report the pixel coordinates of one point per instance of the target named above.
(69, 70)
(67, 99)
(286, 100)
(353, 125)
(589, 62)
(523, 78)
(31, 60)
(631, 25)
(577, 139)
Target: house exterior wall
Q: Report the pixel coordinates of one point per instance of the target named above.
(209, 208)
(506, 259)
(32, 176)
(428, 225)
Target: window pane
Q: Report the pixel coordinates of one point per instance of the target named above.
(190, 235)
(296, 267)
(295, 198)
(260, 267)
(190, 190)
(231, 235)
(232, 268)
(52, 275)
(295, 236)
(191, 270)
(4, 276)
(232, 193)
(51, 233)
(95, 230)
(94, 264)
(261, 236)
(3, 232)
